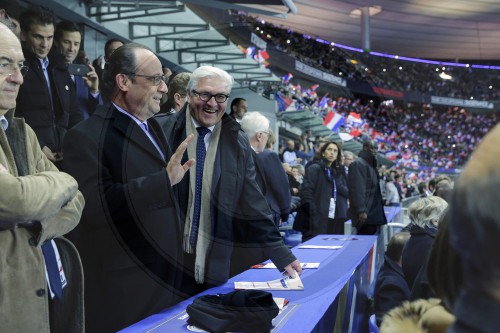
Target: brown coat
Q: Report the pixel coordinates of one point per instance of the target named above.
(44, 204)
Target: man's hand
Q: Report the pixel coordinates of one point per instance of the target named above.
(50, 155)
(362, 218)
(175, 170)
(91, 80)
(293, 268)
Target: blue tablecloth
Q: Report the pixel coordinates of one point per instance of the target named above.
(307, 307)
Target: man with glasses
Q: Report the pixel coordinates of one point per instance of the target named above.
(129, 236)
(222, 191)
(47, 99)
(38, 205)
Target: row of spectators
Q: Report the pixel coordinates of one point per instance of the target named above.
(416, 136)
(402, 75)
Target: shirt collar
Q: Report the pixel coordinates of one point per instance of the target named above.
(196, 124)
(44, 62)
(138, 122)
(4, 122)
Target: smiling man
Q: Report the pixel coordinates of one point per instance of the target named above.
(46, 100)
(67, 40)
(129, 236)
(222, 197)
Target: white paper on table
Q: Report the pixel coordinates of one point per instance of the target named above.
(326, 247)
(302, 264)
(285, 283)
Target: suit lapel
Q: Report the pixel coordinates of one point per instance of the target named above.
(134, 133)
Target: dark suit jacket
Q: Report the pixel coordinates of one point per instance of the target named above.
(236, 199)
(315, 193)
(49, 117)
(390, 288)
(273, 182)
(416, 252)
(129, 234)
(364, 191)
(86, 102)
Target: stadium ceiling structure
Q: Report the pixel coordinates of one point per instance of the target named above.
(440, 30)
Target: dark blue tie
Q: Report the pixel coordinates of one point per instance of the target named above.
(52, 269)
(200, 162)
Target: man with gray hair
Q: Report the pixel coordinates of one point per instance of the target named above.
(474, 234)
(41, 279)
(270, 175)
(222, 193)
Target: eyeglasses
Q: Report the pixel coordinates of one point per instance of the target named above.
(9, 68)
(156, 79)
(267, 133)
(219, 98)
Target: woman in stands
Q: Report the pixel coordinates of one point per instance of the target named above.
(323, 195)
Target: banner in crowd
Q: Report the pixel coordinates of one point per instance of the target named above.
(301, 67)
(257, 41)
(468, 103)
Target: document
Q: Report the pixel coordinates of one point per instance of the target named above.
(303, 264)
(326, 247)
(285, 283)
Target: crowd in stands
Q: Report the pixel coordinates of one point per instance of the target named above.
(401, 75)
(422, 137)
(133, 175)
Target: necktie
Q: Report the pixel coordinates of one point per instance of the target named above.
(200, 162)
(52, 269)
(152, 139)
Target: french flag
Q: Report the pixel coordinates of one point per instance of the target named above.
(287, 78)
(333, 121)
(354, 118)
(391, 155)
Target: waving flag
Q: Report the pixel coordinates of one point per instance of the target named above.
(333, 121)
(283, 101)
(287, 78)
(354, 118)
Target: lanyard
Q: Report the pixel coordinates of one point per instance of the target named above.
(334, 184)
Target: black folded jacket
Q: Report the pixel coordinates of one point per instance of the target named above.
(237, 311)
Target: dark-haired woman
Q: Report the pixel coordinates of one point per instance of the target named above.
(323, 195)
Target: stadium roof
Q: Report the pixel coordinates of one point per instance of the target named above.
(446, 29)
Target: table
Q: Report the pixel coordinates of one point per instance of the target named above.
(334, 298)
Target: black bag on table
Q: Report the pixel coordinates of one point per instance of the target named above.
(240, 311)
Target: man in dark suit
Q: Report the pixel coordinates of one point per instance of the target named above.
(129, 236)
(272, 181)
(270, 175)
(391, 289)
(223, 191)
(67, 39)
(47, 99)
(365, 197)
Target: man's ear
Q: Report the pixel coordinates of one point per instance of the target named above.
(122, 82)
(24, 37)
